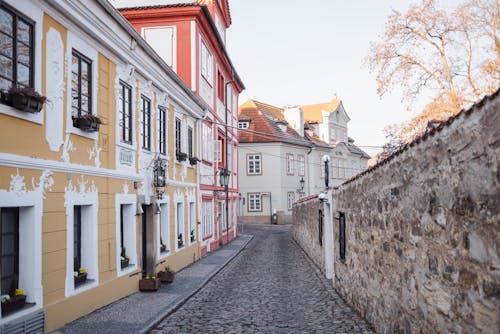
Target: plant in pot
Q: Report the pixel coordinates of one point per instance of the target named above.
(80, 273)
(24, 99)
(166, 275)
(193, 160)
(163, 246)
(15, 300)
(192, 235)
(181, 156)
(180, 241)
(149, 283)
(124, 259)
(87, 122)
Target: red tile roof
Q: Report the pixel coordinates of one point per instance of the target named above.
(313, 112)
(264, 126)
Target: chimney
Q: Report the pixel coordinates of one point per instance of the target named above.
(295, 118)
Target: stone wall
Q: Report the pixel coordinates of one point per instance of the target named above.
(423, 231)
(305, 229)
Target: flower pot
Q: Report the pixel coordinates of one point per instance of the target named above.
(163, 249)
(124, 263)
(193, 161)
(14, 304)
(86, 124)
(166, 276)
(149, 284)
(80, 279)
(181, 156)
(26, 103)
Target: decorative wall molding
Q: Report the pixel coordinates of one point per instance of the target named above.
(67, 149)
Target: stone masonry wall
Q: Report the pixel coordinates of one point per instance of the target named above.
(305, 229)
(423, 232)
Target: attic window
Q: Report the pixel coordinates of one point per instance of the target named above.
(281, 125)
(243, 124)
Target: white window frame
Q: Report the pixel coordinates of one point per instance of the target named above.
(179, 223)
(290, 199)
(301, 165)
(208, 219)
(130, 232)
(208, 143)
(257, 202)
(90, 203)
(257, 164)
(207, 64)
(163, 227)
(243, 125)
(289, 164)
(192, 221)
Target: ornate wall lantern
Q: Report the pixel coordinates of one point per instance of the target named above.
(302, 182)
(224, 178)
(159, 169)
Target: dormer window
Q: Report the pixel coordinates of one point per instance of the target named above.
(243, 125)
(282, 125)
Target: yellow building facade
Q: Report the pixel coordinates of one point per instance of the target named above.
(101, 186)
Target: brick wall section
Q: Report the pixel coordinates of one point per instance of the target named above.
(423, 232)
(305, 229)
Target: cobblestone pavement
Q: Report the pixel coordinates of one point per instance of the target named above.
(270, 287)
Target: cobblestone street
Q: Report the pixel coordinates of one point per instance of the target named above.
(270, 287)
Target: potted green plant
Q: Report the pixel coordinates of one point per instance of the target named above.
(149, 283)
(166, 275)
(87, 122)
(15, 300)
(180, 241)
(124, 259)
(24, 99)
(193, 160)
(80, 276)
(192, 235)
(181, 156)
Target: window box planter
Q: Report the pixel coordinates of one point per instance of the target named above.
(88, 123)
(14, 304)
(149, 284)
(193, 161)
(24, 99)
(80, 279)
(166, 276)
(163, 248)
(181, 156)
(124, 263)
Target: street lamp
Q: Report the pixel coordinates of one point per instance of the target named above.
(326, 160)
(301, 184)
(159, 176)
(224, 182)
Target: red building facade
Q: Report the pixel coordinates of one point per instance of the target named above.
(191, 37)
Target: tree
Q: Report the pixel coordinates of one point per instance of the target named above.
(453, 56)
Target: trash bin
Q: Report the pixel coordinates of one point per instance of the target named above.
(274, 218)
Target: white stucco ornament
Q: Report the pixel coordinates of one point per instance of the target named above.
(67, 149)
(94, 153)
(45, 182)
(184, 170)
(125, 187)
(17, 184)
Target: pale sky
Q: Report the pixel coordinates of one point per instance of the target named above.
(290, 52)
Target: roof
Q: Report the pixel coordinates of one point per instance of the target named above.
(356, 150)
(315, 140)
(313, 112)
(426, 135)
(264, 125)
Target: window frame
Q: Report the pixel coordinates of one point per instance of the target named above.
(178, 135)
(16, 16)
(145, 126)
(207, 64)
(208, 222)
(126, 115)
(256, 208)
(243, 125)
(259, 155)
(290, 199)
(15, 249)
(81, 58)
(190, 135)
(301, 165)
(162, 130)
(290, 164)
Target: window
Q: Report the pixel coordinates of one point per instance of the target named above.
(320, 227)
(342, 236)
(220, 86)
(254, 202)
(321, 168)
(77, 238)
(208, 143)
(146, 123)
(243, 125)
(254, 164)
(207, 65)
(290, 199)
(81, 85)
(208, 223)
(180, 225)
(9, 252)
(301, 165)
(221, 209)
(218, 151)
(192, 224)
(190, 142)
(16, 49)
(164, 227)
(178, 133)
(125, 113)
(289, 164)
(126, 233)
(162, 130)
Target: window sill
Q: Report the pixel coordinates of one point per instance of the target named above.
(27, 308)
(77, 131)
(126, 270)
(34, 118)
